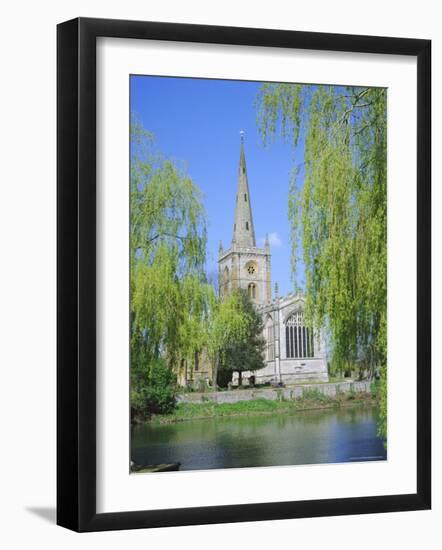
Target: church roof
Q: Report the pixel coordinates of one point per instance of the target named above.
(243, 229)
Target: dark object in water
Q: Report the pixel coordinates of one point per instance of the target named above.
(143, 468)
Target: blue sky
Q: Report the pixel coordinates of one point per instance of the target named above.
(197, 121)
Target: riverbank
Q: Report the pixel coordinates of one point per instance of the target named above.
(310, 400)
(285, 393)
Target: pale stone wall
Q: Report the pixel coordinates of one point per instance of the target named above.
(281, 368)
(291, 371)
(294, 392)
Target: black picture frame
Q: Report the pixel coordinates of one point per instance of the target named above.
(77, 287)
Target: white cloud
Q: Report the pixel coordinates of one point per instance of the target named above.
(274, 240)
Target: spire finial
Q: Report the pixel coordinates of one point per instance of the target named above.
(243, 230)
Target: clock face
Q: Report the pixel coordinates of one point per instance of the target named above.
(251, 269)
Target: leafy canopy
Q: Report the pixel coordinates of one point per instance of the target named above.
(246, 353)
(175, 312)
(169, 294)
(337, 209)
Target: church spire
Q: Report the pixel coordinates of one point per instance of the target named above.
(243, 230)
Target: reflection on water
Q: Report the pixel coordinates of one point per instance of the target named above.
(308, 437)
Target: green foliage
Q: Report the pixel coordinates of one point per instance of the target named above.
(382, 427)
(339, 214)
(168, 243)
(374, 389)
(209, 409)
(228, 327)
(311, 399)
(228, 322)
(156, 395)
(169, 294)
(314, 394)
(245, 352)
(175, 312)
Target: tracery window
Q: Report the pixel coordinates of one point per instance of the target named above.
(251, 268)
(298, 338)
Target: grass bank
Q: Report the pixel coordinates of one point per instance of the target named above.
(310, 400)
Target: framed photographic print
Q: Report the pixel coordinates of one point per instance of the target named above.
(243, 274)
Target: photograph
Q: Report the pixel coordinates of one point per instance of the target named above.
(220, 322)
(258, 274)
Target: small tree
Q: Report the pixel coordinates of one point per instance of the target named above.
(228, 326)
(246, 353)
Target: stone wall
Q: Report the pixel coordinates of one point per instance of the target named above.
(274, 394)
(293, 371)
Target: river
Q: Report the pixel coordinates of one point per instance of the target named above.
(308, 437)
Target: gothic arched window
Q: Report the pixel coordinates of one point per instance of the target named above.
(298, 337)
(251, 289)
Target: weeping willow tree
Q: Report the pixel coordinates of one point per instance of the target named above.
(175, 312)
(169, 294)
(338, 212)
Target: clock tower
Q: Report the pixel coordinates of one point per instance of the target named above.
(244, 265)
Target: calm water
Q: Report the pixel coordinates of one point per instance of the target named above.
(309, 437)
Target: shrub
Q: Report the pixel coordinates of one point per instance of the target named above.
(156, 395)
(201, 385)
(374, 389)
(314, 394)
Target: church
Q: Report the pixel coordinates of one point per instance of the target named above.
(294, 352)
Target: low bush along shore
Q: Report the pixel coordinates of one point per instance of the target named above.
(310, 400)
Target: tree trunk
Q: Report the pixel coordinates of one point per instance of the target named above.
(239, 379)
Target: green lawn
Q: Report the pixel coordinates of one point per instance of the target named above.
(312, 399)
